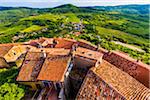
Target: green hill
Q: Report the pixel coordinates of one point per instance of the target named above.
(128, 24)
(127, 9)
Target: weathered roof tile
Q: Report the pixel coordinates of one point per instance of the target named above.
(54, 68)
(107, 80)
(88, 53)
(137, 70)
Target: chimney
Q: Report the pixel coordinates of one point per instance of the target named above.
(109, 52)
(54, 43)
(43, 54)
(98, 46)
(39, 45)
(138, 60)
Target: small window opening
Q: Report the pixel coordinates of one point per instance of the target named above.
(83, 52)
(90, 54)
(14, 53)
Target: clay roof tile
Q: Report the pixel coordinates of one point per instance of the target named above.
(54, 68)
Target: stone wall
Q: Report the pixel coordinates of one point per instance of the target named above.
(81, 62)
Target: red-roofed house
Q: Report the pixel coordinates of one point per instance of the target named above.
(137, 70)
(46, 73)
(30, 70)
(54, 68)
(64, 43)
(110, 83)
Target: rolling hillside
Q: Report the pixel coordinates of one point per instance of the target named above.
(127, 9)
(127, 24)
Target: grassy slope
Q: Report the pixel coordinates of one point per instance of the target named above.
(29, 24)
(48, 16)
(104, 32)
(32, 29)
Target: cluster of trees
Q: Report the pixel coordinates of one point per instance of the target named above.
(9, 89)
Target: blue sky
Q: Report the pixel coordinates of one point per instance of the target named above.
(53, 3)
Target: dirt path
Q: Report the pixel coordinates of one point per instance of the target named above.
(129, 46)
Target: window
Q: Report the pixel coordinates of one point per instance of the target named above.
(14, 53)
(82, 52)
(46, 84)
(90, 54)
(58, 86)
(38, 86)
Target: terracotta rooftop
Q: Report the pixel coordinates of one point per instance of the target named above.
(126, 56)
(37, 42)
(31, 61)
(53, 51)
(47, 42)
(137, 70)
(113, 79)
(64, 43)
(15, 52)
(54, 68)
(4, 48)
(94, 55)
(121, 81)
(33, 56)
(40, 40)
(26, 70)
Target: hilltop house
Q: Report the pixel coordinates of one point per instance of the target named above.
(16, 54)
(45, 73)
(12, 54)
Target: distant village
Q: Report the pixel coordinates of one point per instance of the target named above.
(74, 28)
(68, 69)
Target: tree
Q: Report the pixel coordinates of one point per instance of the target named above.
(11, 91)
